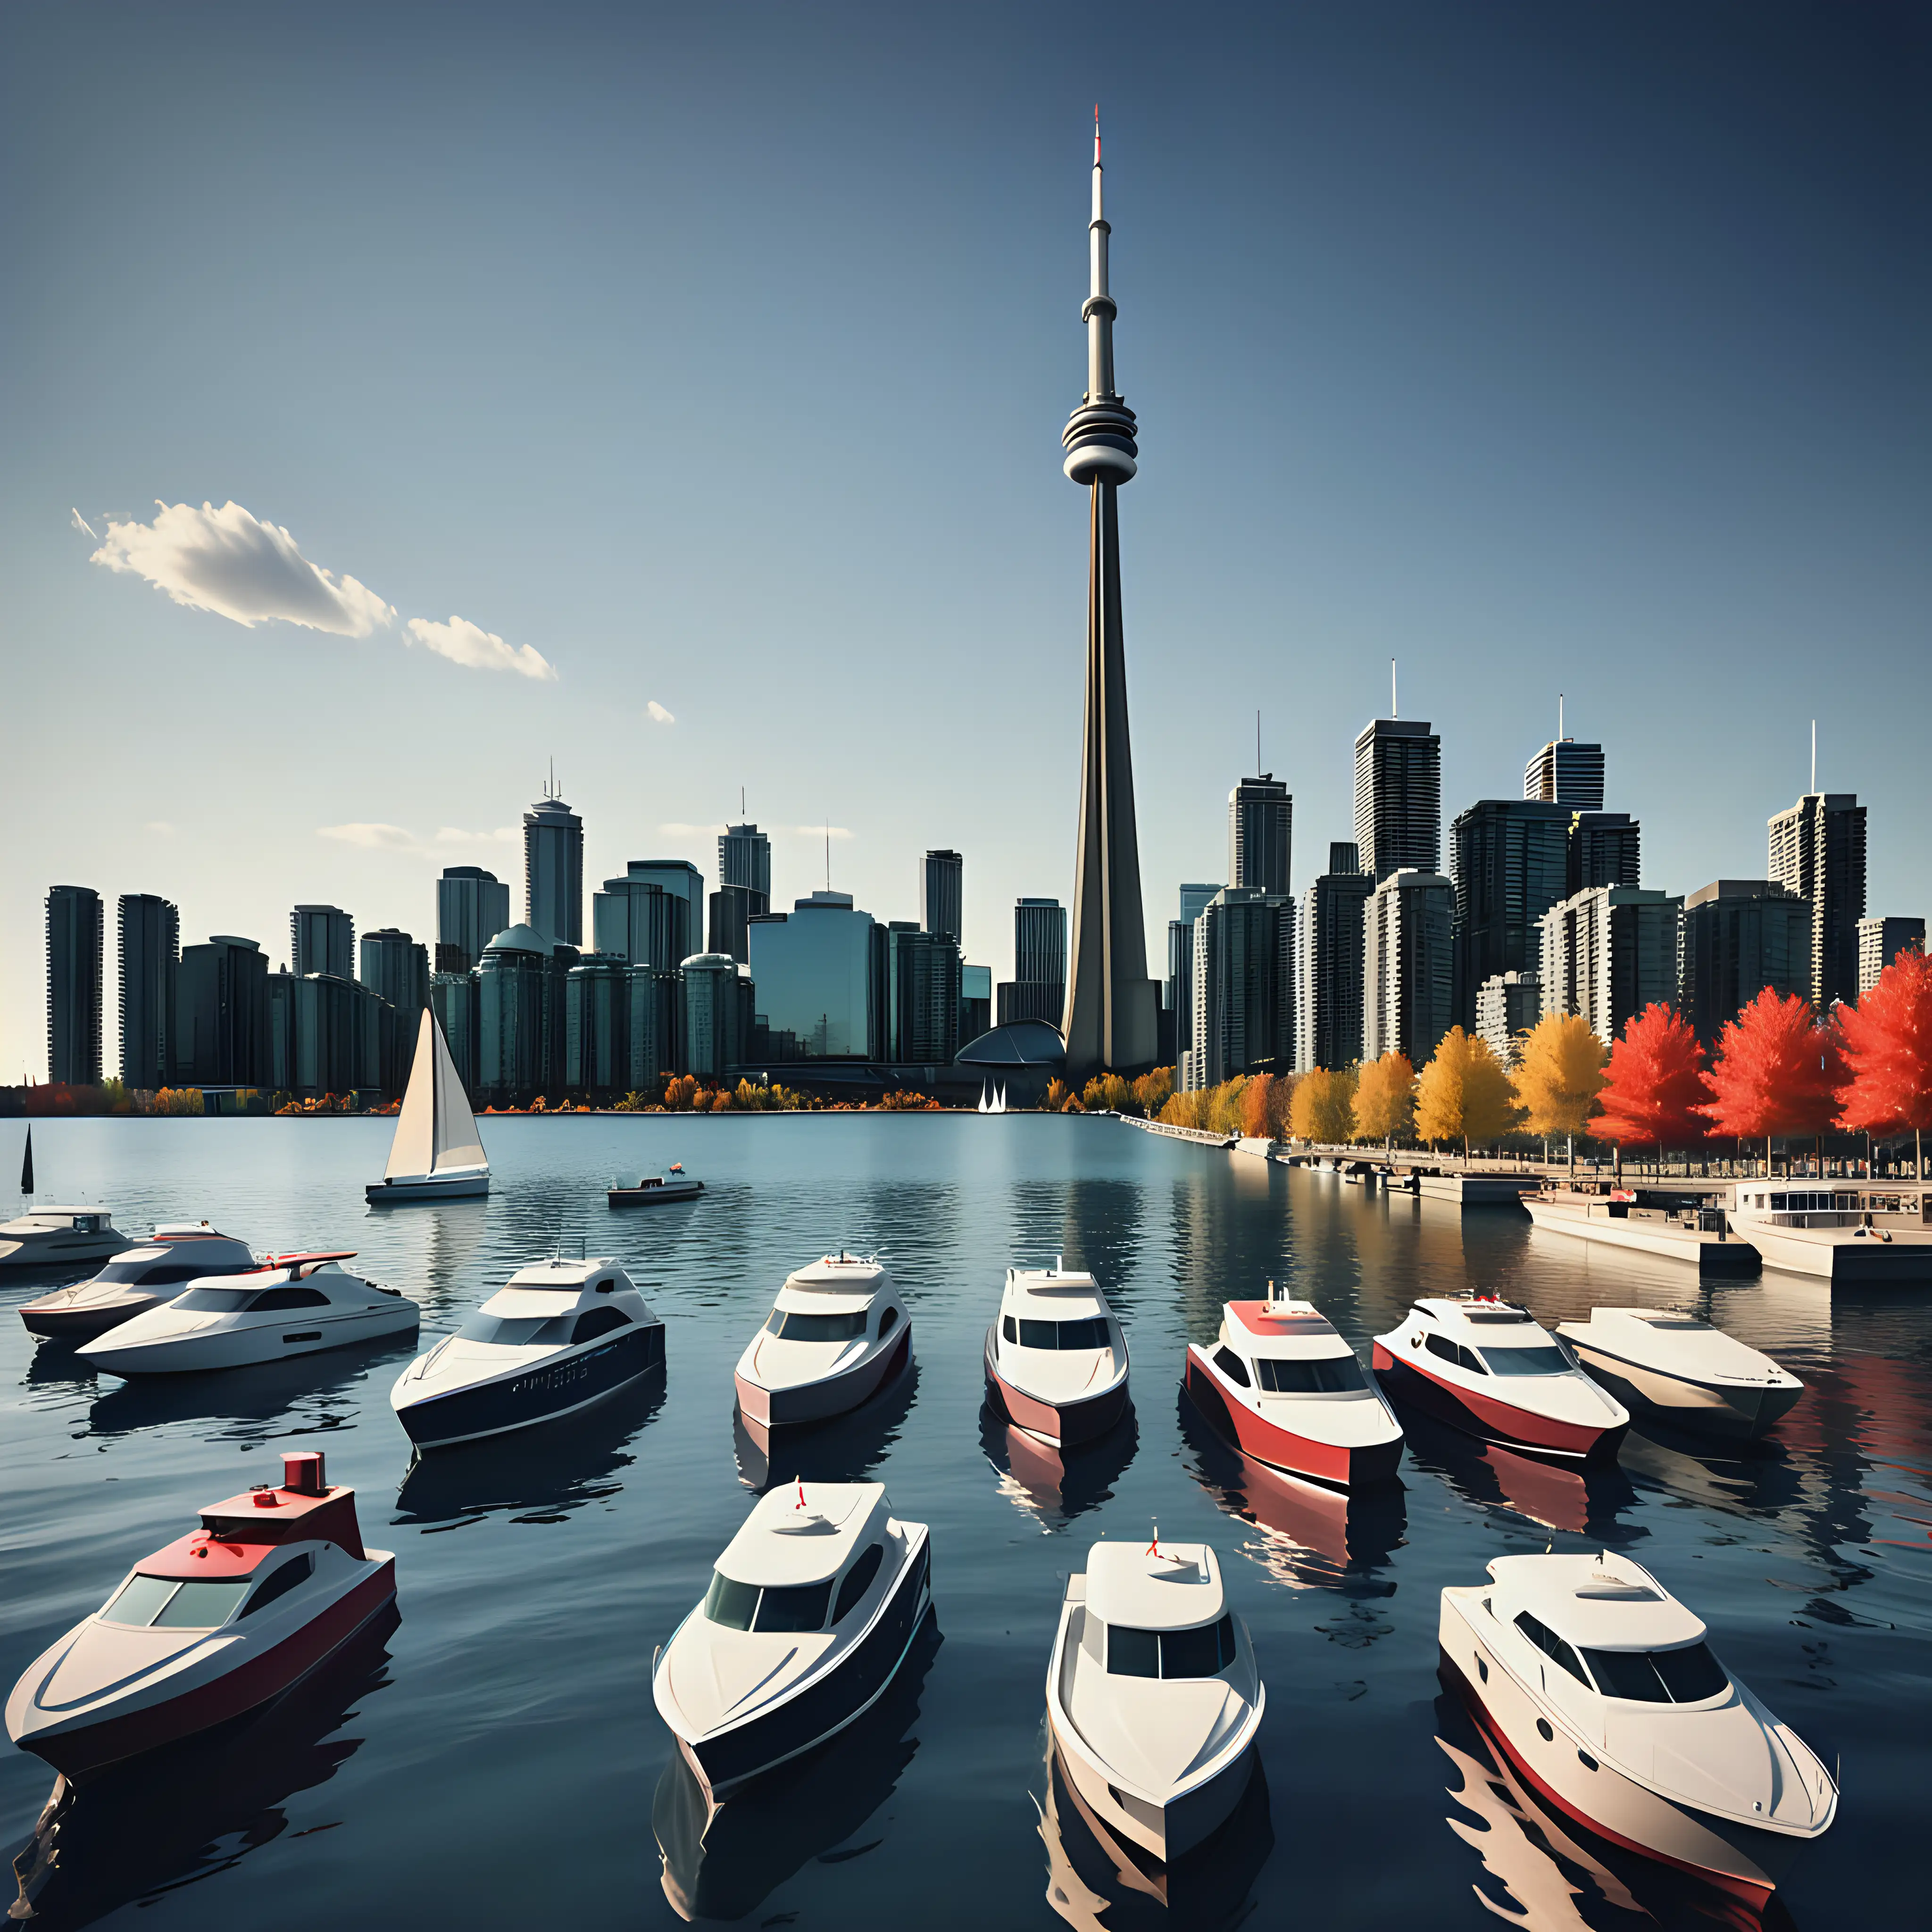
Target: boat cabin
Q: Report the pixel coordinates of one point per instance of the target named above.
(1285, 1348)
(802, 1560)
(1488, 1337)
(1834, 1204)
(1053, 1308)
(1160, 1612)
(556, 1304)
(832, 1300)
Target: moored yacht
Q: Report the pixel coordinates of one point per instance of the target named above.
(135, 1280)
(1484, 1366)
(1837, 1232)
(54, 1236)
(837, 1332)
(1153, 1695)
(811, 1608)
(1056, 1360)
(560, 1336)
(1288, 1389)
(1683, 1370)
(1599, 1686)
(657, 1190)
(436, 1154)
(273, 1581)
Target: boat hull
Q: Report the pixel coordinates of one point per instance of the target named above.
(545, 1393)
(33, 1253)
(414, 1193)
(1731, 1414)
(82, 1323)
(1062, 1425)
(1170, 1831)
(1337, 1465)
(303, 1332)
(1489, 1419)
(830, 1396)
(1839, 1254)
(1712, 1255)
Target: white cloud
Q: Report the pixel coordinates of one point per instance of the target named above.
(820, 832)
(374, 837)
(657, 713)
(249, 572)
(161, 828)
(677, 830)
(80, 523)
(450, 835)
(466, 643)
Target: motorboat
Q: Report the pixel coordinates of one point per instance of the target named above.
(273, 1581)
(1056, 1360)
(135, 1280)
(559, 1337)
(1483, 1366)
(837, 1332)
(1850, 1231)
(289, 1305)
(1684, 1371)
(1599, 1686)
(1153, 1695)
(656, 1190)
(1675, 1222)
(48, 1238)
(1284, 1385)
(437, 1153)
(811, 1608)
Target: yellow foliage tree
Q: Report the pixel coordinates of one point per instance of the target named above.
(1384, 1098)
(1558, 1075)
(1152, 1091)
(1058, 1095)
(1324, 1107)
(1464, 1092)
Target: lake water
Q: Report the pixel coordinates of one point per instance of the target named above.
(495, 1760)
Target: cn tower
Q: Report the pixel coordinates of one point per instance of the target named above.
(1111, 1020)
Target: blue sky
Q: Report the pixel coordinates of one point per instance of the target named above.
(715, 358)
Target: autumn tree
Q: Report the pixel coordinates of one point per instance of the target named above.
(1324, 1107)
(1886, 1039)
(1559, 1073)
(1463, 1093)
(1152, 1091)
(1777, 1072)
(1655, 1090)
(1257, 1116)
(1384, 1098)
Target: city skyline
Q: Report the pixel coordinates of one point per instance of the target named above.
(1714, 618)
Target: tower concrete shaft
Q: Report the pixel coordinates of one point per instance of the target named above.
(1111, 1017)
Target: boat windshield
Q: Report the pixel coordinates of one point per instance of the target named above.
(515, 1330)
(1198, 1652)
(159, 1271)
(736, 1606)
(1326, 1375)
(1545, 1359)
(164, 1603)
(1686, 1675)
(216, 1301)
(791, 1326)
(1090, 1332)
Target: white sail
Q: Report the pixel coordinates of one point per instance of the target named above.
(457, 1142)
(414, 1147)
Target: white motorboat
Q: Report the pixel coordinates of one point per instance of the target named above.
(657, 1190)
(48, 1238)
(1056, 1360)
(1285, 1385)
(1859, 1231)
(1153, 1695)
(1683, 1370)
(290, 1305)
(1484, 1366)
(1598, 1685)
(561, 1336)
(837, 1332)
(437, 1154)
(273, 1581)
(811, 1608)
(135, 1280)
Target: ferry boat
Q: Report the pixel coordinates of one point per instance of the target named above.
(837, 1333)
(1287, 1389)
(1684, 1371)
(437, 1153)
(560, 1336)
(1056, 1360)
(273, 1581)
(1863, 1231)
(46, 1237)
(135, 1280)
(1598, 1686)
(1484, 1366)
(811, 1608)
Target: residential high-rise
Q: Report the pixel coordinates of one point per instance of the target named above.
(1261, 834)
(331, 1036)
(1610, 952)
(1564, 772)
(396, 969)
(1881, 941)
(1606, 848)
(942, 895)
(553, 870)
(818, 988)
(1507, 1005)
(1177, 995)
(1408, 965)
(1111, 1018)
(1328, 1030)
(711, 1016)
(511, 994)
(1818, 851)
(322, 939)
(1398, 796)
(150, 937)
(220, 1036)
(1038, 988)
(597, 1026)
(74, 985)
(471, 907)
(923, 993)
(1740, 936)
(1243, 1004)
(1509, 858)
(452, 998)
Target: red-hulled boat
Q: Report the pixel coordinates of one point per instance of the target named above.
(220, 1620)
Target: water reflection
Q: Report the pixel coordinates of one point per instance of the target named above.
(1752, 1478)
(1055, 1486)
(1588, 1499)
(846, 1449)
(722, 1863)
(177, 1815)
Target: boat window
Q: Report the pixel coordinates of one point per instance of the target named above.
(514, 1330)
(1545, 1360)
(1199, 1652)
(202, 1606)
(1441, 1344)
(1690, 1674)
(288, 1297)
(159, 1274)
(1133, 1653)
(797, 1606)
(1552, 1645)
(1232, 1366)
(889, 1321)
(1010, 1328)
(859, 1579)
(596, 1321)
(1682, 1676)
(279, 1582)
(791, 1326)
(1470, 1360)
(140, 1598)
(1329, 1375)
(731, 1603)
(1090, 1332)
(216, 1301)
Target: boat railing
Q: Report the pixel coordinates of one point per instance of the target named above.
(1832, 1218)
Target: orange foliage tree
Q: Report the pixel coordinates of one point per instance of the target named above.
(1257, 1121)
(1654, 1089)
(1887, 1043)
(1777, 1072)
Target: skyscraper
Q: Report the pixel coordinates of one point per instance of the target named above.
(221, 1037)
(396, 969)
(1564, 772)
(471, 907)
(1328, 1028)
(711, 1015)
(1610, 952)
(923, 994)
(1244, 1003)
(816, 982)
(597, 1026)
(1112, 1016)
(744, 890)
(1179, 988)
(1408, 970)
(1880, 942)
(1261, 829)
(1509, 857)
(653, 916)
(1398, 796)
(74, 986)
(1507, 1006)
(150, 935)
(1038, 988)
(1606, 849)
(1739, 936)
(553, 870)
(322, 939)
(942, 895)
(1818, 851)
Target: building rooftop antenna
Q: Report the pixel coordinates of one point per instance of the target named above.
(1395, 710)
(1814, 754)
(1258, 739)
(828, 855)
(1559, 717)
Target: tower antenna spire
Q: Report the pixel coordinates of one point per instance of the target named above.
(1559, 715)
(1258, 741)
(1395, 710)
(1814, 754)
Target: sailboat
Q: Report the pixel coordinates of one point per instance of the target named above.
(436, 1154)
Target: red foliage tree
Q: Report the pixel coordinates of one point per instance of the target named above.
(1654, 1088)
(1778, 1072)
(1887, 1043)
